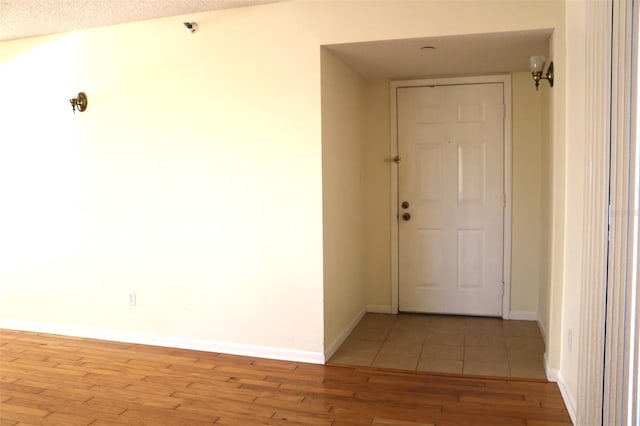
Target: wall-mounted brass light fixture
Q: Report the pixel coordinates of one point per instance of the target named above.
(80, 102)
(536, 64)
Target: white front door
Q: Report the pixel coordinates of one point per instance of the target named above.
(451, 198)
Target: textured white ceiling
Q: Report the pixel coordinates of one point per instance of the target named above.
(394, 59)
(29, 18)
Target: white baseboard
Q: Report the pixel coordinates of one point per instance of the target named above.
(552, 373)
(338, 341)
(568, 398)
(523, 316)
(379, 309)
(258, 351)
(543, 331)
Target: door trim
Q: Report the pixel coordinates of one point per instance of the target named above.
(505, 79)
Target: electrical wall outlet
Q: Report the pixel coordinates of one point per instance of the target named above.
(132, 298)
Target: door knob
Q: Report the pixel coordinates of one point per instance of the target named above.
(406, 216)
(405, 204)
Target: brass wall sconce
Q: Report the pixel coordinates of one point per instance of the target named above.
(536, 64)
(79, 103)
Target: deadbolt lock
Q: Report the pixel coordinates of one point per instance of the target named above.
(406, 216)
(405, 204)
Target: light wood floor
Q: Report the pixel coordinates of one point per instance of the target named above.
(54, 380)
(446, 344)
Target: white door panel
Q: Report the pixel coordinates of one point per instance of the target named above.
(451, 248)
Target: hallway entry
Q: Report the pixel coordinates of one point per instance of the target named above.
(446, 344)
(451, 198)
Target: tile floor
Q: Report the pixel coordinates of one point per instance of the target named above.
(446, 344)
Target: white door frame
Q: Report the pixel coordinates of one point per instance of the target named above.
(393, 150)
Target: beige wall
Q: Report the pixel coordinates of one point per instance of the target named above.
(526, 181)
(378, 195)
(195, 176)
(559, 134)
(343, 96)
(575, 178)
(546, 172)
